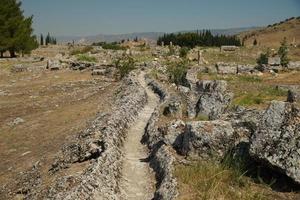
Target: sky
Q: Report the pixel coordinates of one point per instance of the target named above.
(92, 17)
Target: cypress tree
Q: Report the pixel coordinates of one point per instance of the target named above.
(42, 40)
(48, 39)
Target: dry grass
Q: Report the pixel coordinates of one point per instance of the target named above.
(242, 55)
(211, 181)
(272, 36)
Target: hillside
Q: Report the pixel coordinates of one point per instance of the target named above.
(272, 35)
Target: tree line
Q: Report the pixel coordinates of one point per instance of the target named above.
(200, 38)
(48, 40)
(16, 33)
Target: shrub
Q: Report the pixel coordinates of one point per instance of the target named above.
(177, 73)
(84, 57)
(124, 65)
(183, 52)
(263, 58)
(283, 53)
(81, 50)
(171, 50)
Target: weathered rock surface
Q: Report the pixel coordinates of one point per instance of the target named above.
(207, 139)
(294, 65)
(53, 65)
(226, 68)
(245, 69)
(173, 107)
(174, 134)
(100, 146)
(74, 65)
(209, 98)
(162, 161)
(276, 142)
(161, 158)
(18, 68)
(244, 121)
(214, 98)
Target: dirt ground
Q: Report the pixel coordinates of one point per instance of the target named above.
(52, 106)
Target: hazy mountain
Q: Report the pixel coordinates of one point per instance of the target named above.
(146, 35)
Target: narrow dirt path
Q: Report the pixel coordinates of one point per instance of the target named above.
(138, 182)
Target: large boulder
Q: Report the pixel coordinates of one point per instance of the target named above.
(173, 107)
(207, 139)
(294, 65)
(226, 68)
(213, 98)
(245, 69)
(277, 140)
(53, 64)
(208, 98)
(174, 134)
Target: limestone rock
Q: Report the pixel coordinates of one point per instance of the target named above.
(213, 100)
(226, 68)
(245, 69)
(294, 65)
(276, 142)
(207, 139)
(174, 133)
(53, 65)
(173, 107)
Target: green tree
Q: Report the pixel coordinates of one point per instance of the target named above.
(283, 53)
(16, 30)
(42, 40)
(48, 38)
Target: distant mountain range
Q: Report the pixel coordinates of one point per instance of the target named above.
(144, 35)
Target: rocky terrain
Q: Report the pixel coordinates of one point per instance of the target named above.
(74, 127)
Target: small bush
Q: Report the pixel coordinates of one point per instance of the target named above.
(183, 52)
(125, 65)
(171, 50)
(177, 73)
(81, 50)
(283, 53)
(262, 59)
(86, 58)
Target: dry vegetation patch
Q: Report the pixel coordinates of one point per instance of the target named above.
(256, 91)
(54, 106)
(207, 180)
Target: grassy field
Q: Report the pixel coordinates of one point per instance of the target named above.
(256, 91)
(243, 55)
